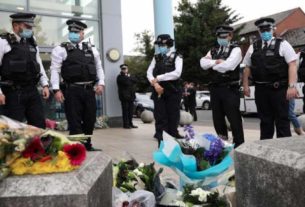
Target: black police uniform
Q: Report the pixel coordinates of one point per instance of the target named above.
(166, 106)
(20, 73)
(224, 92)
(192, 102)
(126, 90)
(79, 73)
(270, 75)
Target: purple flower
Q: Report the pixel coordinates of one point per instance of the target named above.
(216, 148)
(189, 132)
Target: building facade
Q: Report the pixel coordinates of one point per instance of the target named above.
(103, 18)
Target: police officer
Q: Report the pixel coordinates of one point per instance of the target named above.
(222, 65)
(79, 64)
(126, 95)
(164, 73)
(271, 62)
(192, 100)
(21, 69)
(301, 72)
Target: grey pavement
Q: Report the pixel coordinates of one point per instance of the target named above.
(140, 144)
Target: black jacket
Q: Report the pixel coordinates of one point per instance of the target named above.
(192, 97)
(126, 87)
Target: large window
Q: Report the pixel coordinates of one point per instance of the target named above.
(79, 8)
(51, 31)
(13, 5)
(5, 22)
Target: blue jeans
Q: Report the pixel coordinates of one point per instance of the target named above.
(291, 115)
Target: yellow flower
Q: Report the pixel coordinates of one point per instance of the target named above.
(21, 166)
(25, 166)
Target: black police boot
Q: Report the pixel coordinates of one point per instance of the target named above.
(89, 147)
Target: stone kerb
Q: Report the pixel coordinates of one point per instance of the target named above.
(271, 173)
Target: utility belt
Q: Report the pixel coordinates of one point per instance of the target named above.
(10, 85)
(232, 84)
(84, 85)
(274, 85)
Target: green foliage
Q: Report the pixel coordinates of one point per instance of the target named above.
(195, 33)
(138, 65)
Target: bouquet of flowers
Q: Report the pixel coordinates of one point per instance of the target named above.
(191, 197)
(130, 177)
(199, 158)
(26, 149)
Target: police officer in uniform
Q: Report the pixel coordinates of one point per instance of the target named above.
(164, 75)
(271, 62)
(21, 69)
(126, 95)
(221, 64)
(301, 73)
(80, 67)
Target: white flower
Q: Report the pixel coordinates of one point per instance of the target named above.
(179, 194)
(141, 164)
(194, 192)
(138, 172)
(180, 204)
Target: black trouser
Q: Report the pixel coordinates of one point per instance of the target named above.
(80, 109)
(24, 102)
(193, 112)
(303, 90)
(127, 110)
(272, 107)
(225, 101)
(167, 113)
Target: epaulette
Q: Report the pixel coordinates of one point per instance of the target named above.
(68, 45)
(10, 37)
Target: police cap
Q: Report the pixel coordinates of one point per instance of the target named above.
(164, 39)
(223, 30)
(27, 18)
(123, 66)
(265, 22)
(75, 25)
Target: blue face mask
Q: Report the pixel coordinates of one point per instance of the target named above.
(223, 42)
(163, 50)
(74, 37)
(266, 36)
(26, 33)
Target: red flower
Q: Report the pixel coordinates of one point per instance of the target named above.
(34, 150)
(76, 153)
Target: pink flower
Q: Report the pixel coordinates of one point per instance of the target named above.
(76, 153)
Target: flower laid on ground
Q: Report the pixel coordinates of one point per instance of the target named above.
(29, 150)
(192, 196)
(76, 153)
(34, 150)
(201, 159)
(208, 149)
(129, 176)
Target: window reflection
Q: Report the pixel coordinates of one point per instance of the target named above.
(18, 5)
(79, 8)
(51, 31)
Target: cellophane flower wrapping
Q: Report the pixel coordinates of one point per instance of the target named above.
(209, 164)
(25, 149)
